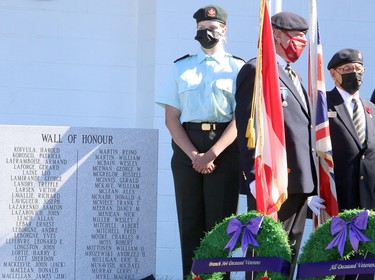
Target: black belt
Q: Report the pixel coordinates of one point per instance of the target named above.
(205, 126)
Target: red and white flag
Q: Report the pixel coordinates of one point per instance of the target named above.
(271, 173)
(317, 91)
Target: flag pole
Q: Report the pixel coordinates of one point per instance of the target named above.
(276, 6)
(313, 53)
(313, 69)
(317, 92)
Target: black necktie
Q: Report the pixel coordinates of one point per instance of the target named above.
(359, 122)
(293, 76)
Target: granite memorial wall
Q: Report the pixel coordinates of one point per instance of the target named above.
(77, 203)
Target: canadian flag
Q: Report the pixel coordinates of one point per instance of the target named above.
(271, 172)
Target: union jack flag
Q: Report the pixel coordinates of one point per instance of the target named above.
(317, 91)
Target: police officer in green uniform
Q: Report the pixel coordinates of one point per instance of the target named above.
(199, 104)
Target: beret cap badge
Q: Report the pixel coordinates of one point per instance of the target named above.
(211, 12)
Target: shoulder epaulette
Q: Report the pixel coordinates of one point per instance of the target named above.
(181, 58)
(237, 57)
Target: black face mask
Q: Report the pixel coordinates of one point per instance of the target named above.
(207, 38)
(351, 82)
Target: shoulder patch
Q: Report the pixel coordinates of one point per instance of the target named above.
(181, 58)
(237, 57)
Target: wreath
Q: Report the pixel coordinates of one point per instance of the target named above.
(327, 244)
(271, 238)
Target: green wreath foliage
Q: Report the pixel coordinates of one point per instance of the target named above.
(314, 248)
(272, 239)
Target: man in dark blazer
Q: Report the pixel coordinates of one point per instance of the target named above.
(354, 160)
(289, 32)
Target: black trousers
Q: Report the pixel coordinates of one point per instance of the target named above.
(203, 200)
(292, 214)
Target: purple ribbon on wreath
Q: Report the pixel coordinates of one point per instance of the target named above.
(354, 226)
(251, 228)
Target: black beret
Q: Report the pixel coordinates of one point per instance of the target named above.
(345, 56)
(289, 21)
(211, 12)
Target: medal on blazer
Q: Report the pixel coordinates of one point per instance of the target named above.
(284, 95)
(331, 114)
(211, 135)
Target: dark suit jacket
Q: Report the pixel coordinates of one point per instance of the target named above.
(354, 165)
(299, 132)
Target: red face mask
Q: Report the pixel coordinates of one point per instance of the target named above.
(294, 50)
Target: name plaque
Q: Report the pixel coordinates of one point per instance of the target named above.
(77, 203)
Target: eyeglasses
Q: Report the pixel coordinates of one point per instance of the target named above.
(350, 68)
